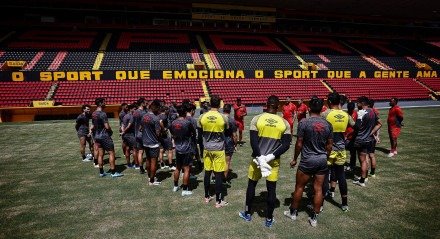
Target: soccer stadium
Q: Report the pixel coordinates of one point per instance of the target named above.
(219, 119)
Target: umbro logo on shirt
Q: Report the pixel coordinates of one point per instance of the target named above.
(271, 121)
(339, 116)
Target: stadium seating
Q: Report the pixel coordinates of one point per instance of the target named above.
(248, 52)
(148, 51)
(55, 40)
(137, 50)
(250, 61)
(21, 94)
(116, 92)
(432, 83)
(143, 50)
(256, 91)
(379, 89)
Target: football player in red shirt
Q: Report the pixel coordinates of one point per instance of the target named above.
(350, 135)
(239, 114)
(395, 123)
(302, 111)
(289, 113)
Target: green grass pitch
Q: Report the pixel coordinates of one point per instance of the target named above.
(47, 192)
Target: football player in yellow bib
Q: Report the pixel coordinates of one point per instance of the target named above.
(270, 137)
(212, 125)
(339, 121)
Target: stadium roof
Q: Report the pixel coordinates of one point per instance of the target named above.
(403, 9)
(375, 8)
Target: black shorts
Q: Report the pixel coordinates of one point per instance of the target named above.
(129, 140)
(151, 152)
(373, 147)
(313, 167)
(183, 160)
(166, 143)
(105, 143)
(86, 135)
(364, 147)
(139, 144)
(229, 146)
(229, 151)
(349, 144)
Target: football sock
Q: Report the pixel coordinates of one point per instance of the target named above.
(344, 201)
(250, 193)
(207, 182)
(292, 210)
(271, 198)
(372, 171)
(218, 185)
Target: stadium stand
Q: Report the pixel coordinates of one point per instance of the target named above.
(379, 89)
(235, 51)
(256, 91)
(432, 83)
(148, 51)
(136, 50)
(116, 92)
(21, 94)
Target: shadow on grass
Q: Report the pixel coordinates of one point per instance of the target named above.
(302, 205)
(260, 204)
(197, 167)
(383, 150)
(162, 175)
(352, 173)
(231, 175)
(120, 168)
(332, 201)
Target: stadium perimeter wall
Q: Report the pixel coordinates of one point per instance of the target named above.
(28, 114)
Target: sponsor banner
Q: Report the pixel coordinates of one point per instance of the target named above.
(205, 75)
(43, 103)
(224, 17)
(15, 63)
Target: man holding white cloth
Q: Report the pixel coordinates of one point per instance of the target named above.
(270, 137)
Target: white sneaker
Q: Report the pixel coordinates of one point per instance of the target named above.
(96, 165)
(176, 188)
(313, 221)
(221, 204)
(87, 160)
(172, 168)
(186, 193)
(357, 182)
(291, 216)
(357, 178)
(390, 155)
(155, 183)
